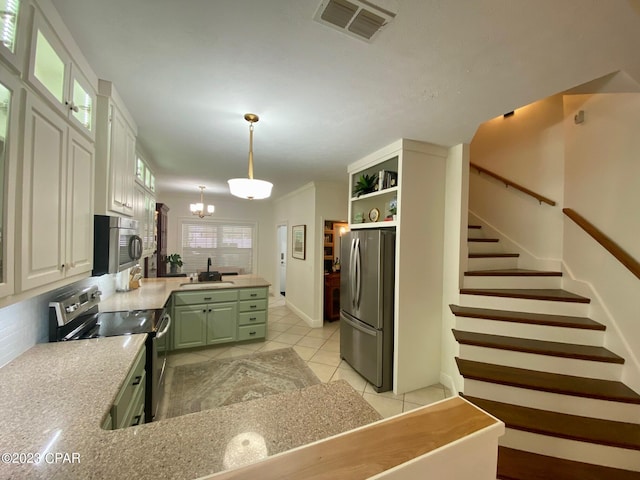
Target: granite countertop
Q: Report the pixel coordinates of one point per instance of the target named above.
(55, 396)
(154, 292)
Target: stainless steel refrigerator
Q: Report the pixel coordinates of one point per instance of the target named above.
(367, 282)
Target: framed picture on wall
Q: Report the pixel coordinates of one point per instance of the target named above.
(299, 241)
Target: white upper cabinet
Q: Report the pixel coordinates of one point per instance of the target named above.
(54, 74)
(57, 198)
(115, 154)
(12, 21)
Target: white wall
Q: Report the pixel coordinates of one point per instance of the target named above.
(227, 208)
(527, 148)
(454, 259)
(602, 171)
(298, 208)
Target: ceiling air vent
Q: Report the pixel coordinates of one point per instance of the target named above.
(358, 18)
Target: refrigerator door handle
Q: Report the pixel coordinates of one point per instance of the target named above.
(358, 326)
(352, 288)
(358, 273)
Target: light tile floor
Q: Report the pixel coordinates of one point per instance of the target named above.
(320, 349)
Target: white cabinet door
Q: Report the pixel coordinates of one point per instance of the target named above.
(80, 164)
(53, 73)
(122, 158)
(43, 195)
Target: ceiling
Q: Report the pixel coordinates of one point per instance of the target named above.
(188, 72)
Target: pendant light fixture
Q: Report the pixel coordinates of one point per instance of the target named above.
(198, 208)
(250, 188)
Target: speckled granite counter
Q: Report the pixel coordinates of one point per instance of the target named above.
(55, 396)
(154, 292)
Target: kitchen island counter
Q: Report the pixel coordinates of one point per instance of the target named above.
(154, 292)
(55, 397)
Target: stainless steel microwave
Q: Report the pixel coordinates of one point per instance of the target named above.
(116, 244)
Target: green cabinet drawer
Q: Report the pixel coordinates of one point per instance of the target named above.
(252, 318)
(253, 305)
(205, 296)
(133, 382)
(249, 332)
(252, 293)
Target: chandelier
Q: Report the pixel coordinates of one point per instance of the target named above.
(250, 188)
(198, 208)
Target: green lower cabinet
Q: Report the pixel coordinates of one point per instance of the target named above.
(223, 316)
(190, 326)
(221, 322)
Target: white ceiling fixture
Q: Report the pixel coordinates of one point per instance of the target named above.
(198, 208)
(250, 188)
(357, 18)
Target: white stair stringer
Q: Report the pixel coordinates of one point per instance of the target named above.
(579, 451)
(555, 402)
(544, 363)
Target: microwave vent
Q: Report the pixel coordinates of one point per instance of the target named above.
(357, 18)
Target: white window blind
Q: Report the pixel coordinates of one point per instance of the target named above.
(229, 245)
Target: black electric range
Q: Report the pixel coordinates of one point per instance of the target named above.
(76, 316)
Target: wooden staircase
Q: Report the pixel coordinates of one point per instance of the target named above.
(531, 357)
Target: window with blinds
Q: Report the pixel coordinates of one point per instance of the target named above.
(229, 245)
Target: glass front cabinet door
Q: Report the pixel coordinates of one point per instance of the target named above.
(53, 73)
(11, 22)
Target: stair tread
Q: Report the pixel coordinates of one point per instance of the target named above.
(540, 347)
(526, 317)
(519, 465)
(494, 255)
(483, 240)
(553, 294)
(548, 382)
(512, 272)
(562, 425)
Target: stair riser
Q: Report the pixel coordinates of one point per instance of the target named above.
(511, 282)
(493, 263)
(525, 305)
(475, 233)
(536, 332)
(484, 247)
(587, 407)
(597, 454)
(544, 363)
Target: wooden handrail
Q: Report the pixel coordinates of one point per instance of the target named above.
(612, 247)
(509, 183)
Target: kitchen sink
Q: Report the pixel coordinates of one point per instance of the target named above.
(204, 285)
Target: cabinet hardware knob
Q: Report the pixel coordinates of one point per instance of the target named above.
(252, 333)
(204, 310)
(207, 298)
(137, 420)
(253, 306)
(137, 380)
(62, 266)
(254, 294)
(252, 319)
(209, 309)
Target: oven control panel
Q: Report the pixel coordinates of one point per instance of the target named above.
(75, 303)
